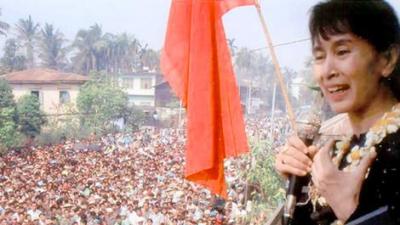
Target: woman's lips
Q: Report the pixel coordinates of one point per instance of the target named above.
(337, 92)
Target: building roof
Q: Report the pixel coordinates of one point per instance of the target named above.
(44, 76)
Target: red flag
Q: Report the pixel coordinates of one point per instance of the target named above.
(197, 64)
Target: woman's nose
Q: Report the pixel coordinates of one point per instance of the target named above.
(329, 70)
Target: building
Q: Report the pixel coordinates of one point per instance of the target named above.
(54, 89)
(140, 88)
(165, 97)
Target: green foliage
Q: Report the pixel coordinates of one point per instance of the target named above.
(53, 135)
(8, 127)
(6, 95)
(61, 128)
(98, 51)
(133, 118)
(27, 34)
(101, 102)
(31, 118)
(52, 53)
(8, 117)
(10, 60)
(262, 175)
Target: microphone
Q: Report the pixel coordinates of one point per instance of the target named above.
(307, 132)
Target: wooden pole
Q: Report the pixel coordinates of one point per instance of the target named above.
(278, 72)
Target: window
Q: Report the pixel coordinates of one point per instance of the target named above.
(127, 83)
(145, 103)
(64, 97)
(145, 83)
(36, 94)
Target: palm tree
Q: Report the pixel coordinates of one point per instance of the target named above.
(150, 59)
(11, 61)
(129, 48)
(27, 33)
(52, 53)
(89, 44)
(120, 53)
(3, 27)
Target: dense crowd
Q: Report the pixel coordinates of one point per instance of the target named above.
(263, 127)
(131, 178)
(118, 179)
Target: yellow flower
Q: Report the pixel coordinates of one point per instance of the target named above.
(382, 123)
(355, 155)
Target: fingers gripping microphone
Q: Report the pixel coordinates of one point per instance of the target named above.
(307, 132)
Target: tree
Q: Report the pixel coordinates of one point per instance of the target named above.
(31, 117)
(88, 44)
(255, 72)
(6, 95)
(120, 53)
(10, 60)
(133, 117)
(3, 27)
(232, 46)
(8, 116)
(101, 102)
(150, 59)
(27, 33)
(130, 48)
(52, 53)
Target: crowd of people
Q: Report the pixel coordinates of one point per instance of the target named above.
(262, 127)
(116, 179)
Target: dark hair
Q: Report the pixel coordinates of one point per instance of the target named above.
(375, 21)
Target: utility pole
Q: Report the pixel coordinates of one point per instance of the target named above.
(249, 88)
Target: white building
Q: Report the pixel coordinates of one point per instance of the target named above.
(140, 88)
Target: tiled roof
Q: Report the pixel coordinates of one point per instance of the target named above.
(44, 76)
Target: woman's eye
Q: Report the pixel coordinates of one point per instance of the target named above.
(343, 52)
(318, 57)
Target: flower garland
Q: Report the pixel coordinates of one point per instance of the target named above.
(389, 123)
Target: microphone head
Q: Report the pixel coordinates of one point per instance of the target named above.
(308, 125)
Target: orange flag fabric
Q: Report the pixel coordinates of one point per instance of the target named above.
(197, 64)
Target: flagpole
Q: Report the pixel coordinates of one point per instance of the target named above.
(273, 110)
(278, 72)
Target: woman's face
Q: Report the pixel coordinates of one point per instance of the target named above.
(348, 70)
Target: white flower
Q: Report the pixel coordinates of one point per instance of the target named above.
(391, 128)
(355, 148)
(371, 138)
(322, 201)
(340, 144)
(348, 158)
(363, 152)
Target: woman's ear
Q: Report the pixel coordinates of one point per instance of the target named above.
(391, 58)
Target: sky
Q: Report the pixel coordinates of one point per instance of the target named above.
(147, 19)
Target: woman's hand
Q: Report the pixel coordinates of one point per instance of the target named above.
(340, 189)
(294, 158)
